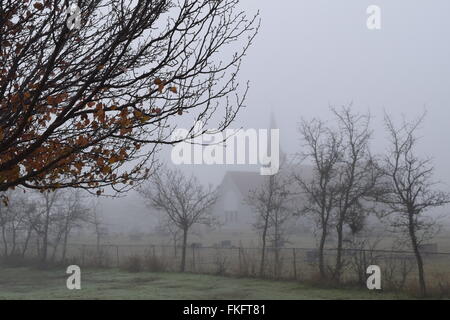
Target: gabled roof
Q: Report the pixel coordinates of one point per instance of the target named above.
(246, 181)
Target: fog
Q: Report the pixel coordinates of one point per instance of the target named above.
(310, 55)
(140, 158)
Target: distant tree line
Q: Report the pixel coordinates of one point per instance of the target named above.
(42, 221)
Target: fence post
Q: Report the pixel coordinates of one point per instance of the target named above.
(83, 249)
(193, 258)
(240, 261)
(295, 263)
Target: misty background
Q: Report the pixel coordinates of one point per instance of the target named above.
(310, 55)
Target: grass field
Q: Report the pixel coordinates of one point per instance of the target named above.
(24, 283)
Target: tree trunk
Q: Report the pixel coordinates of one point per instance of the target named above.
(55, 249)
(338, 266)
(27, 240)
(64, 249)
(183, 253)
(66, 236)
(321, 252)
(175, 243)
(5, 242)
(277, 262)
(45, 240)
(13, 248)
(277, 246)
(415, 246)
(38, 246)
(263, 253)
(56, 245)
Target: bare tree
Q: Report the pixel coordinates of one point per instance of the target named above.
(183, 199)
(32, 218)
(13, 220)
(72, 214)
(50, 216)
(48, 211)
(24, 216)
(409, 191)
(4, 220)
(167, 227)
(100, 230)
(357, 177)
(271, 201)
(323, 148)
(364, 253)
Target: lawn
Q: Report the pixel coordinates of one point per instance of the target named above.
(24, 283)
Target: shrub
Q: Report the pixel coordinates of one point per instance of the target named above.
(221, 263)
(18, 261)
(396, 273)
(101, 258)
(249, 264)
(155, 264)
(441, 287)
(132, 264)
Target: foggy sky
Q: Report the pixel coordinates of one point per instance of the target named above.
(311, 54)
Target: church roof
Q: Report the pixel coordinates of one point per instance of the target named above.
(246, 181)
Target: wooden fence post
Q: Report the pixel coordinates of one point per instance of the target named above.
(193, 258)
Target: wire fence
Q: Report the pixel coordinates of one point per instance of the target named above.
(398, 267)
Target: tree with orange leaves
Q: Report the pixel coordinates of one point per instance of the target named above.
(77, 104)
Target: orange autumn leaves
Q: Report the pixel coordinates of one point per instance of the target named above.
(10, 175)
(77, 155)
(39, 6)
(57, 99)
(162, 84)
